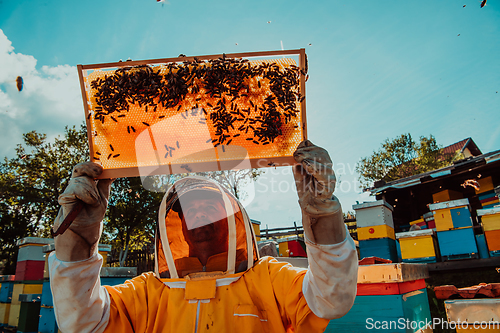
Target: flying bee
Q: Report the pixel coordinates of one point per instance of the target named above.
(19, 83)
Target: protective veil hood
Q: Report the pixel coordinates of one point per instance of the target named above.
(172, 252)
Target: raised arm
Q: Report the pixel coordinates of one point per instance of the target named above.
(80, 304)
(330, 283)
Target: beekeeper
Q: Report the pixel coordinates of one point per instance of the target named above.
(208, 274)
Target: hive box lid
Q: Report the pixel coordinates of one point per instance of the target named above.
(295, 261)
(51, 247)
(488, 211)
(118, 271)
(416, 233)
(30, 298)
(449, 204)
(389, 273)
(5, 278)
(370, 204)
(34, 240)
(291, 238)
(427, 215)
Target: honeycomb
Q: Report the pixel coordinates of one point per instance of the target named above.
(196, 130)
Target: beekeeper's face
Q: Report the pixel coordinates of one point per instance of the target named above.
(204, 221)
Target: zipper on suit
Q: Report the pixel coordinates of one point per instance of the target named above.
(197, 316)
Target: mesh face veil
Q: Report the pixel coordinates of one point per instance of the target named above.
(202, 227)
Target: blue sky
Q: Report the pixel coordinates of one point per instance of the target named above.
(377, 69)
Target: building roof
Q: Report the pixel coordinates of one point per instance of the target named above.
(461, 146)
(466, 164)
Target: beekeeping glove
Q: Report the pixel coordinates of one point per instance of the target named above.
(315, 180)
(81, 239)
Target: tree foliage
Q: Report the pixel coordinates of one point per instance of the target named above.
(234, 180)
(402, 157)
(30, 184)
(131, 216)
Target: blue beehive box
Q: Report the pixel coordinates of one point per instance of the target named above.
(47, 322)
(113, 281)
(6, 291)
(384, 248)
(46, 294)
(457, 244)
(461, 217)
(385, 313)
(482, 248)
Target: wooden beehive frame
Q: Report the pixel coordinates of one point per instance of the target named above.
(198, 166)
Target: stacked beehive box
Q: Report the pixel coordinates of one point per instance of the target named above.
(30, 258)
(455, 233)
(256, 228)
(28, 279)
(47, 322)
(292, 247)
(446, 195)
(6, 287)
(376, 230)
(486, 193)
(17, 306)
(490, 219)
(420, 223)
(418, 245)
(429, 220)
(390, 298)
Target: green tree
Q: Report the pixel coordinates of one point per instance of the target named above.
(131, 216)
(234, 180)
(30, 184)
(402, 157)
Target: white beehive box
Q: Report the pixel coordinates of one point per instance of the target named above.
(373, 213)
(486, 310)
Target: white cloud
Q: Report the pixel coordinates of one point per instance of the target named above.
(49, 101)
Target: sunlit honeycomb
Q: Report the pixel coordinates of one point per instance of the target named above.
(184, 137)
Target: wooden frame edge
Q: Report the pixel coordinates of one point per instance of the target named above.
(86, 110)
(192, 58)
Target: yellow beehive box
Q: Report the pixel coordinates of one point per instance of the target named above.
(14, 314)
(485, 185)
(4, 313)
(283, 249)
(16, 291)
(442, 218)
(416, 244)
(420, 222)
(490, 218)
(256, 228)
(25, 289)
(446, 195)
(104, 257)
(442, 213)
(376, 231)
